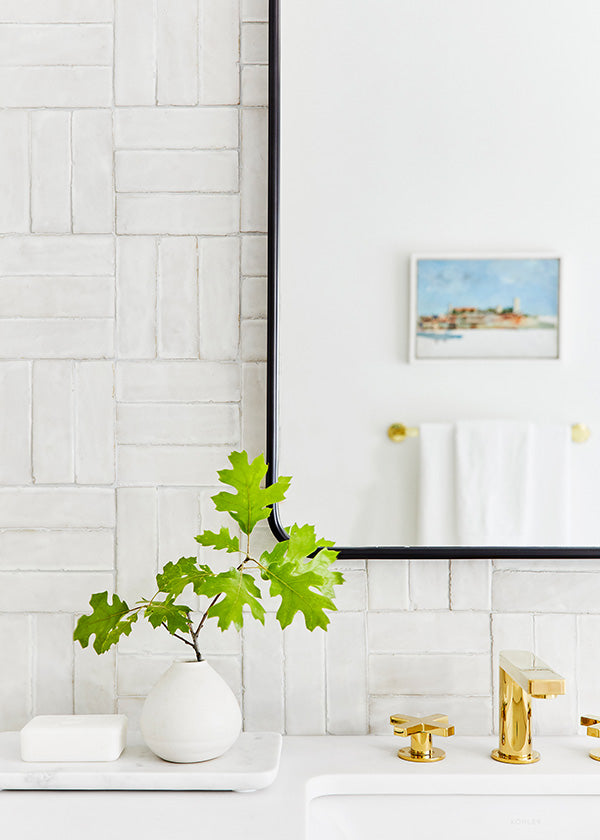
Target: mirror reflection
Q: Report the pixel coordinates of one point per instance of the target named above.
(438, 271)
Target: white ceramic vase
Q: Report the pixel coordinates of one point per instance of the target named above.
(191, 714)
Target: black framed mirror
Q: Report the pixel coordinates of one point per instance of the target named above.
(436, 137)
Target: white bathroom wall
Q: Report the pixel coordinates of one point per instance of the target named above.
(132, 334)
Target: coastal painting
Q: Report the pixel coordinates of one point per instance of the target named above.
(485, 307)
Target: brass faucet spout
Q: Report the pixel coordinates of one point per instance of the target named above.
(523, 676)
(533, 675)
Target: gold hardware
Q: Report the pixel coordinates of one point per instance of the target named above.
(580, 433)
(522, 676)
(421, 729)
(594, 730)
(397, 432)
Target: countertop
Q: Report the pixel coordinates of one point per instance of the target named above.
(310, 767)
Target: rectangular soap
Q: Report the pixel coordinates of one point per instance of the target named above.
(74, 738)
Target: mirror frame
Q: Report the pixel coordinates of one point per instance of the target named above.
(384, 552)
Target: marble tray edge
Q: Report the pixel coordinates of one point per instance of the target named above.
(100, 778)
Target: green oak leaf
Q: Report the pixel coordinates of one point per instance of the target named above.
(107, 622)
(303, 547)
(220, 541)
(252, 502)
(321, 565)
(238, 590)
(176, 576)
(311, 555)
(297, 590)
(174, 616)
(303, 542)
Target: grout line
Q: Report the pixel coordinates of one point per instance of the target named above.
(114, 56)
(147, 108)
(73, 374)
(32, 627)
(157, 296)
(284, 682)
(30, 165)
(51, 65)
(576, 666)
(72, 658)
(83, 23)
(71, 172)
(194, 192)
(30, 418)
(197, 52)
(200, 51)
(155, 49)
(199, 329)
(76, 396)
(156, 529)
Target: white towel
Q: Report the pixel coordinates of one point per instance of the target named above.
(494, 483)
(437, 509)
(551, 502)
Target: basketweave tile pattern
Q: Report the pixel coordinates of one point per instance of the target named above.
(133, 139)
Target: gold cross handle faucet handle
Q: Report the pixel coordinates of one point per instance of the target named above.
(593, 729)
(420, 730)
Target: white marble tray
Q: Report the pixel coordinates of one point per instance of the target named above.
(252, 763)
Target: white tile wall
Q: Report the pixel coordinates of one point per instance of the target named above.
(51, 171)
(53, 432)
(132, 346)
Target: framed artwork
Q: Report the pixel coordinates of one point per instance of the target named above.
(485, 307)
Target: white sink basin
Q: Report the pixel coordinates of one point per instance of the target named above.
(467, 796)
(468, 817)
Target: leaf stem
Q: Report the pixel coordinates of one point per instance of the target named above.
(194, 633)
(184, 640)
(205, 616)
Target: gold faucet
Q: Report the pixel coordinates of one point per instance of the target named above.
(522, 676)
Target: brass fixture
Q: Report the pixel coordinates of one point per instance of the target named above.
(522, 676)
(398, 432)
(421, 729)
(594, 730)
(580, 432)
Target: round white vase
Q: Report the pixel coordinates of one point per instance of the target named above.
(191, 714)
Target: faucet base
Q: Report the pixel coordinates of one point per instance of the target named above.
(434, 754)
(517, 759)
(595, 754)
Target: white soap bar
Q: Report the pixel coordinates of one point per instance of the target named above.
(74, 738)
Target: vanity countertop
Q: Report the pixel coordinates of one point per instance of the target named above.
(310, 767)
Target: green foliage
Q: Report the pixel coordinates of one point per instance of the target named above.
(305, 584)
(176, 576)
(238, 590)
(298, 570)
(252, 502)
(223, 541)
(303, 549)
(174, 616)
(107, 622)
